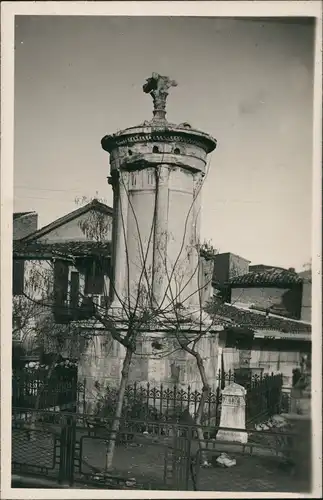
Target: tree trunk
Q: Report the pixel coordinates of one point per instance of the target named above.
(200, 410)
(116, 422)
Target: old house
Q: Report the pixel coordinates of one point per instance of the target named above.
(275, 304)
(59, 269)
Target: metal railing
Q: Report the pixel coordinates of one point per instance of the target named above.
(71, 450)
(144, 401)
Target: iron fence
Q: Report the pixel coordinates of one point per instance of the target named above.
(166, 456)
(263, 398)
(178, 404)
(146, 402)
(62, 447)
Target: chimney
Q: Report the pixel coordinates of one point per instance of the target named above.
(24, 224)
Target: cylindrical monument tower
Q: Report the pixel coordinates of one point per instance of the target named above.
(156, 171)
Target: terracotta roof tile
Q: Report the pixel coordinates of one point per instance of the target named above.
(47, 250)
(257, 321)
(279, 277)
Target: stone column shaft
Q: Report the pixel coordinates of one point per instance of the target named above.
(120, 271)
(161, 232)
(195, 237)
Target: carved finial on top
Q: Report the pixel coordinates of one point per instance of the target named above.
(157, 86)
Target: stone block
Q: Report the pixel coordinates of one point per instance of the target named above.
(233, 414)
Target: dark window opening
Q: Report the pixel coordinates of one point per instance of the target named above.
(94, 277)
(18, 272)
(60, 282)
(74, 292)
(155, 149)
(177, 151)
(129, 152)
(87, 309)
(61, 270)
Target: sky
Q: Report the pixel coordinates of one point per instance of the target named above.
(247, 83)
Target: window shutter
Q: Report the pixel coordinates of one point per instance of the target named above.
(74, 292)
(60, 291)
(60, 281)
(94, 278)
(18, 277)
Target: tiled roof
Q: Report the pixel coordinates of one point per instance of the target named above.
(279, 277)
(257, 321)
(47, 250)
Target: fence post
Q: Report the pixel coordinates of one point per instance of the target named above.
(67, 450)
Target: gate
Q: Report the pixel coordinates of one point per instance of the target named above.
(64, 448)
(177, 469)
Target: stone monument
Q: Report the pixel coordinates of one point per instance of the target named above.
(233, 414)
(156, 172)
(157, 169)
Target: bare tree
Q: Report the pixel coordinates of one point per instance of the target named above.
(146, 305)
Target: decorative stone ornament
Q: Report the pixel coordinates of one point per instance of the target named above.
(157, 86)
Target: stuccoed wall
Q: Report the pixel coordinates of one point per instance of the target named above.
(271, 359)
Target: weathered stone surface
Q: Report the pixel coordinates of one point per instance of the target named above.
(233, 414)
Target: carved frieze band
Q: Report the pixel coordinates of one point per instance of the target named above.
(158, 138)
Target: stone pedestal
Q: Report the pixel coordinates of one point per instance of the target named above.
(101, 363)
(233, 414)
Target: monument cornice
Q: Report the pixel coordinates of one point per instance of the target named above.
(171, 134)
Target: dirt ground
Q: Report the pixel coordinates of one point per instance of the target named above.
(145, 463)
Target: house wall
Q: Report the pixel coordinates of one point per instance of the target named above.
(288, 299)
(71, 231)
(273, 356)
(39, 286)
(26, 312)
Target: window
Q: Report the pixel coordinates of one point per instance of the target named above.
(60, 282)
(94, 277)
(61, 271)
(133, 179)
(177, 151)
(18, 277)
(155, 149)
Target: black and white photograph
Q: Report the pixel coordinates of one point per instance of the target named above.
(159, 252)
